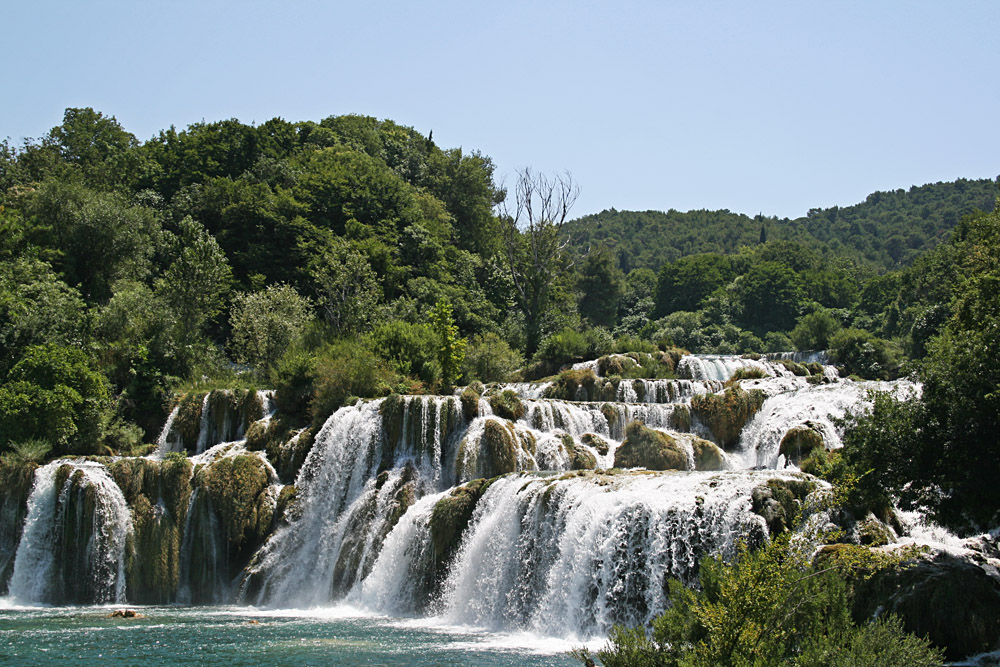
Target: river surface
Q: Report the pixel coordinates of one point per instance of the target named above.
(234, 636)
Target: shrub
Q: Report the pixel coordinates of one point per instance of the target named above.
(490, 359)
(862, 353)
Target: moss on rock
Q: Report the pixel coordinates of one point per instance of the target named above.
(580, 385)
(799, 442)
(507, 405)
(727, 413)
(449, 519)
(470, 403)
(579, 458)
(707, 456)
(953, 602)
(599, 444)
(647, 448)
(498, 449)
(779, 500)
(680, 418)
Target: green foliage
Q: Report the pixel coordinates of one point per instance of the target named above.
(53, 394)
(888, 229)
(769, 296)
(345, 369)
(864, 354)
(489, 358)
(265, 323)
(683, 284)
(602, 286)
(36, 307)
(196, 282)
(813, 331)
(767, 607)
(99, 238)
(451, 348)
(412, 349)
(347, 292)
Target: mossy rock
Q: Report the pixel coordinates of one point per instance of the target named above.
(680, 418)
(16, 479)
(187, 422)
(727, 413)
(449, 518)
(579, 458)
(707, 456)
(753, 356)
(779, 500)
(470, 403)
(393, 409)
(498, 449)
(616, 364)
(599, 444)
(952, 602)
(507, 405)
(286, 507)
(746, 373)
(814, 368)
(578, 385)
(234, 485)
(799, 442)
(647, 448)
(795, 367)
(871, 532)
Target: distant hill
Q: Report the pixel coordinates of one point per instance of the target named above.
(888, 229)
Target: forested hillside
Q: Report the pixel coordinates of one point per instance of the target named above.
(887, 230)
(353, 257)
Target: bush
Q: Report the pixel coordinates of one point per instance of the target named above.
(490, 359)
(768, 607)
(813, 331)
(412, 349)
(348, 368)
(862, 353)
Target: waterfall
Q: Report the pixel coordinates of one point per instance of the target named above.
(572, 556)
(426, 504)
(73, 545)
(818, 407)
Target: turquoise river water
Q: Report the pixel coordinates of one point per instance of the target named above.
(235, 636)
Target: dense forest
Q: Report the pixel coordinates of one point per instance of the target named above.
(354, 258)
(886, 231)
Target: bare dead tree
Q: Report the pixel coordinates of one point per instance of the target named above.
(532, 241)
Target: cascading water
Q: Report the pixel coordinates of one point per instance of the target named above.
(818, 407)
(575, 555)
(73, 545)
(388, 510)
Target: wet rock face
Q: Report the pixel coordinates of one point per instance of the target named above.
(953, 602)
(799, 442)
(727, 413)
(646, 448)
(778, 502)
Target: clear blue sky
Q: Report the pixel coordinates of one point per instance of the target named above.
(751, 106)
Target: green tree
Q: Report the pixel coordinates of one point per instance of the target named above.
(54, 395)
(346, 289)
(265, 323)
(36, 307)
(602, 285)
(451, 348)
(685, 283)
(99, 237)
(769, 297)
(813, 331)
(196, 283)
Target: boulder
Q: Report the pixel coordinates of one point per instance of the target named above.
(647, 448)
